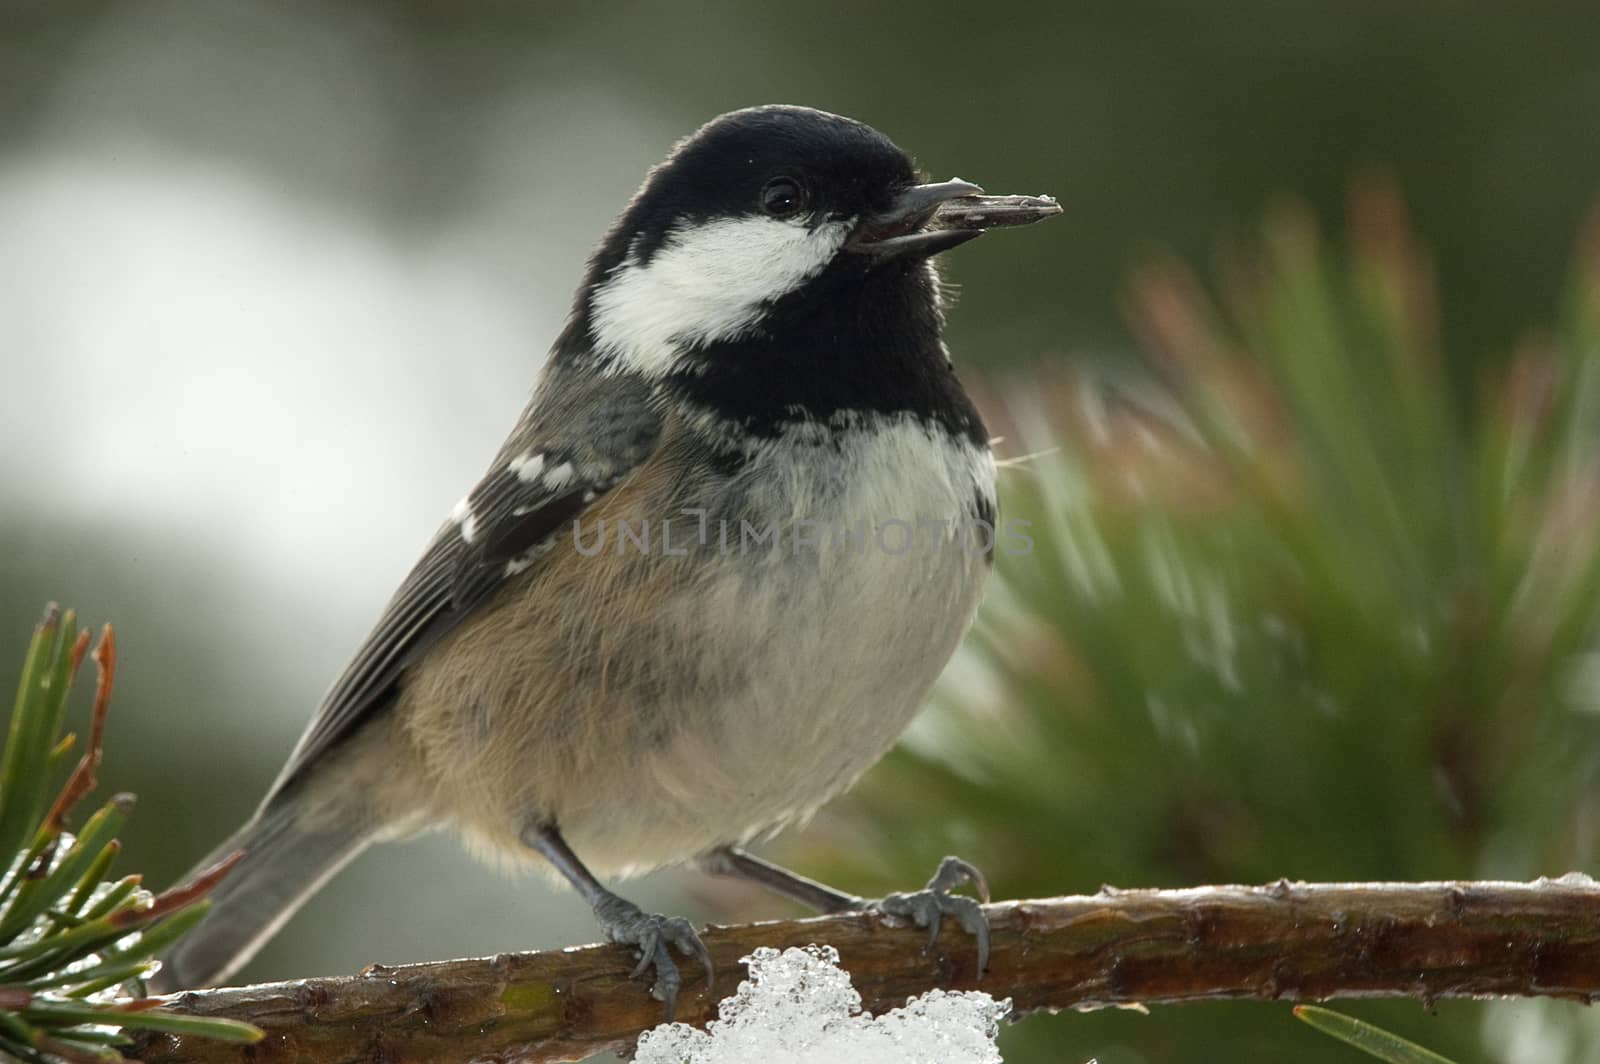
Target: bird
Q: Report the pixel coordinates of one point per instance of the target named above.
(706, 582)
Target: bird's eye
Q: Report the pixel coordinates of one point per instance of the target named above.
(783, 196)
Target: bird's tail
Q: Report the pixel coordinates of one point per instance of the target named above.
(283, 865)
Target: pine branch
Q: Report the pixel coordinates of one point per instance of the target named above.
(1286, 941)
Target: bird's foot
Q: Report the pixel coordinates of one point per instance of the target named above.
(651, 934)
(927, 908)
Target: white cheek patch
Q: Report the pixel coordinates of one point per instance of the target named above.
(708, 282)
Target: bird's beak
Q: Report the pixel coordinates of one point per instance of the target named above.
(927, 219)
(898, 231)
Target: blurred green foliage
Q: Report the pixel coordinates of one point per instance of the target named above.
(1295, 611)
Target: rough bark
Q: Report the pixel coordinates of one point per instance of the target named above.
(1285, 941)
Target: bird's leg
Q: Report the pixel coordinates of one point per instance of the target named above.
(926, 907)
(623, 921)
(737, 864)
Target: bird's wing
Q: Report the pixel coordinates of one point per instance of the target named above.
(581, 435)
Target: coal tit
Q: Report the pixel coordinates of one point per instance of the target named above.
(710, 577)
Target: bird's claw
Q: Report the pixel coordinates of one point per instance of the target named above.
(927, 908)
(651, 934)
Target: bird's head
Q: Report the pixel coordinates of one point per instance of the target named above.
(761, 214)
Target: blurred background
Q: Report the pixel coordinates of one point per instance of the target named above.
(1316, 516)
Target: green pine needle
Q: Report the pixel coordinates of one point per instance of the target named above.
(65, 1014)
(1374, 1041)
